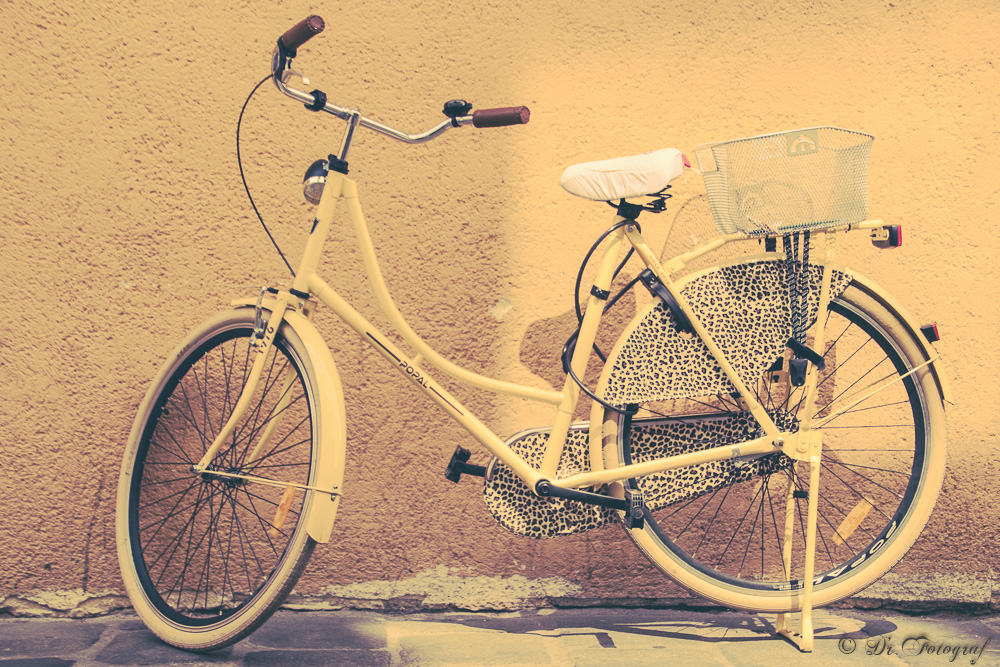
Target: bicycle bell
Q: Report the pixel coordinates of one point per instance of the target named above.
(314, 182)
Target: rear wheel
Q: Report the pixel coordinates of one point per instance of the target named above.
(719, 528)
(207, 558)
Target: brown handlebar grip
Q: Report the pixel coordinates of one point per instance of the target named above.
(500, 117)
(302, 32)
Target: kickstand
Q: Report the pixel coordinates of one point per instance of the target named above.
(808, 449)
(804, 637)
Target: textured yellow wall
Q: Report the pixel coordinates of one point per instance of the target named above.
(123, 224)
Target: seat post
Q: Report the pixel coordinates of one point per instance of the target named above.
(629, 211)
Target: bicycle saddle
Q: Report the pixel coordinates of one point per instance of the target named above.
(624, 177)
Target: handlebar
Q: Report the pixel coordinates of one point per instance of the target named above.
(311, 26)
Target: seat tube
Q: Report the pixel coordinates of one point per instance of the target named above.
(582, 352)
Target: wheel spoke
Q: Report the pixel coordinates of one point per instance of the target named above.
(774, 522)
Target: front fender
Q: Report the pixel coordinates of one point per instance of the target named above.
(331, 420)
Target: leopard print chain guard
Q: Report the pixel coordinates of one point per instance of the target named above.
(745, 308)
(520, 511)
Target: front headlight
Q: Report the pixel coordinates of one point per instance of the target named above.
(314, 182)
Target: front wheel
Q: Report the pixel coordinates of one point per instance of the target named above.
(207, 558)
(719, 529)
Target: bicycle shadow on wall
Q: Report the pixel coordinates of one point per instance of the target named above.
(693, 226)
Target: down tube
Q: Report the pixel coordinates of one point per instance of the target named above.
(419, 377)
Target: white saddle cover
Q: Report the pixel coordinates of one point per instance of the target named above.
(624, 177)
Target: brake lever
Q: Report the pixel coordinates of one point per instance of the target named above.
(287, 74)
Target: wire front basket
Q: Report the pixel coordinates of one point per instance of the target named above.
(787, 181)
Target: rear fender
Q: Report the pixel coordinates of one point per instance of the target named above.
(926, 347)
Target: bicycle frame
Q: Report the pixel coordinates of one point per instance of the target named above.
(804, 445)
(339, 189)
(750, 303)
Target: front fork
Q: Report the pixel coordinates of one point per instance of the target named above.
(263, 341)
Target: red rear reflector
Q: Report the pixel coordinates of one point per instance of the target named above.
(930, 332)
(890, 236)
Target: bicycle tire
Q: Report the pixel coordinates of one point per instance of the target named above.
(895, 464)
(206, 559)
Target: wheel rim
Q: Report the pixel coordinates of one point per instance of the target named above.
(872, 467)
(204, 548)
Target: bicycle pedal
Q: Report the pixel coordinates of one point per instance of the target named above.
(458, 466)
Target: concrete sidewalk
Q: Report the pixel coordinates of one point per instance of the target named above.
(565, 637)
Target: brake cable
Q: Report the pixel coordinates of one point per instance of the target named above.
(583, 266)
(239, 162)
(570, 345)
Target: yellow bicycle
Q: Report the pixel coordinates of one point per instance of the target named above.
(717, 411)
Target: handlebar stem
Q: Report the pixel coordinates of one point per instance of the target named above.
(352, 124)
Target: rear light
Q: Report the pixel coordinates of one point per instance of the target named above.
(930, 332)
(889, 236)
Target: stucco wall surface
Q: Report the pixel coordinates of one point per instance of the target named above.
(123, 224)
